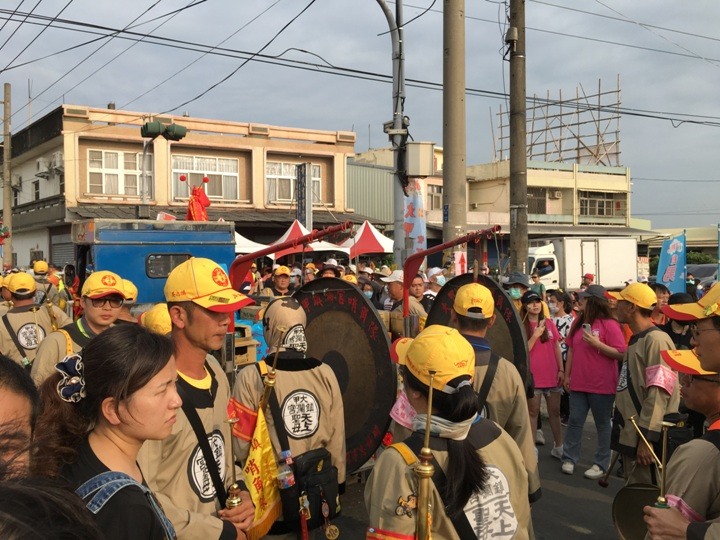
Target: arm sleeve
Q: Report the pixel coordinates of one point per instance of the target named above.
(691, 486)
(614, 336)
(336, 445)
(48, 354)
(656, 401)
(248, 391)
(387, 479)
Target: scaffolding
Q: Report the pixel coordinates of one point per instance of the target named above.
(583, 130)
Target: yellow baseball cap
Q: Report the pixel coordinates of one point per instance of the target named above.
(102, 283)
(131, 291)
(281, 271)
(40, 267)
(477, 298)
(351, 278)
(156, 319)
(20, 283)
(636, 293)
(685, 362)
(437, 348)
(205, 283)
(707, 306)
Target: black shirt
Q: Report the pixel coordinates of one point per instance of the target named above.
(128, 514)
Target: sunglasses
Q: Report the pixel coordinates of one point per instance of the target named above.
(114, 301)
(697, 331)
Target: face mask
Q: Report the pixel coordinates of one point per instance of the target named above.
(368, 294)
(552, 306)
(515, 293)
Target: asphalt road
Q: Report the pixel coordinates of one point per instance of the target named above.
(571, 506)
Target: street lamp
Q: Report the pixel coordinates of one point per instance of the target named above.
(149, 132)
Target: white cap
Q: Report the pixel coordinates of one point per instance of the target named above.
(396, 275)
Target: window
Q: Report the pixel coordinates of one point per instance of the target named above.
(159, 265)
(16, 197)
(36, 190)
(537, 200)
(222, 174)
(600, 204)
(281, 181)
(117, 173)
(434, 197)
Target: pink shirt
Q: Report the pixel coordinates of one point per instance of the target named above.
(592, 371)
(543, 360)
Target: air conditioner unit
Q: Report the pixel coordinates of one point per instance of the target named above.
(15, 181)
(42, 167)
(58, 162)
(556, 194)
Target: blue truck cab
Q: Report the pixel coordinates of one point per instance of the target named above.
(146, 251)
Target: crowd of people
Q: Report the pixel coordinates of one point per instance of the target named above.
(115, 424)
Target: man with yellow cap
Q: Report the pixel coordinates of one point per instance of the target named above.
(200, 301)
(281, 283)
(479, 488)
(647, 386)
(102, 296)
(503, 393)
(692, 484)
(704, 317)
(27, 324)
(45, 289)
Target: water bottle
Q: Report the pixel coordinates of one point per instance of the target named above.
(285, 477)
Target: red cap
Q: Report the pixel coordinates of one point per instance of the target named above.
(591, 277)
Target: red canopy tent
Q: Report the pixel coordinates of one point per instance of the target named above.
(295, 231)
(368, 239)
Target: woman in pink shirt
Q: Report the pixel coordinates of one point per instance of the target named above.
(545, 365)
(595, 344)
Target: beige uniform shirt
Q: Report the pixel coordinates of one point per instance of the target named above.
(46, 291)
(507, 406)
(174, 468)
(53, 349)
(30, 326)
(320, 423)
(397, 327)
(501, 510)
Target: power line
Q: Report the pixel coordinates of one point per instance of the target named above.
(19, 25)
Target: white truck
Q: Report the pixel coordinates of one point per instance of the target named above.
(562, 262)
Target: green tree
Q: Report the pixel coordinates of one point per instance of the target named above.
(691, 257)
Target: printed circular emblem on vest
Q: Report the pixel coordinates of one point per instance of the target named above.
(490, 512)
(109, 281)
(295, 339)
(27, 336)
(301, 414)
(220, 277)
(198, 475)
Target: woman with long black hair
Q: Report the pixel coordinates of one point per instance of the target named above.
(479, 468)
(97, 410)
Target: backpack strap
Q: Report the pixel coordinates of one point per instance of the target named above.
(16, 342)
(488, 380)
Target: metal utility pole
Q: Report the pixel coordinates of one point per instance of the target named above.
(397, 129)
(454, 144)
(515, 40)
(7, 187)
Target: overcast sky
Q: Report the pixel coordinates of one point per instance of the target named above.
(666, 53)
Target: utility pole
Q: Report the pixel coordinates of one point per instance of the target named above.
(397, 129)
(515, 40)
(454, 143)
(7, 187)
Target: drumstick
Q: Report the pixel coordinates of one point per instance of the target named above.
(604, 480)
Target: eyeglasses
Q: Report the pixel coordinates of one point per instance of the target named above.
(697, 331)
(114, 301)
(687, 379)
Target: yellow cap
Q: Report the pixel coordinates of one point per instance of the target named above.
(102, 283)
(20, 283)
(156, 319)
(281, 271)
(639, 294)
(205, 283)
(477, 298)
(40, 267)
(437, 348)
(685, 361)
(351, 278)
(707, 306)
(131, 291)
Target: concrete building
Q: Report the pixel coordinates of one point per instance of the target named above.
(84, 162)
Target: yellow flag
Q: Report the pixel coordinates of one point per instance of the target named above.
(260, 478)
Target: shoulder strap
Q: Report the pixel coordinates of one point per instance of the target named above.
(13, 336)
(76, 335)
(68, 341)
(278, 421)
(199, 430)
(407, 454)
(459, 520)
(488, 380)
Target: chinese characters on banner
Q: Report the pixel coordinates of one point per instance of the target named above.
(671, 268)
(414, 216)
